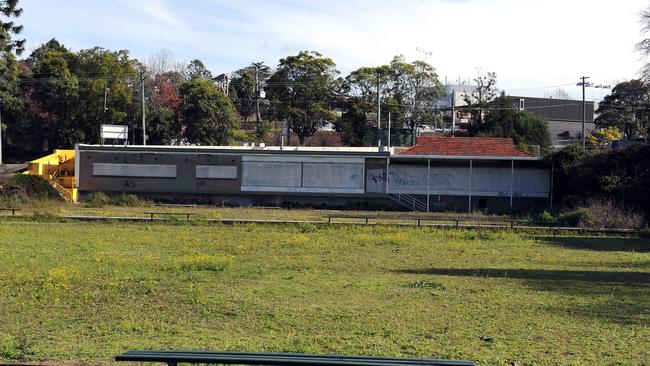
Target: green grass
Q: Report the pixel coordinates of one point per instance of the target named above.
(88, 291)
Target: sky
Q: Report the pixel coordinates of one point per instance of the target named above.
(534, 46)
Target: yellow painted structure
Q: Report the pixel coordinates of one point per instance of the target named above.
(58, 169)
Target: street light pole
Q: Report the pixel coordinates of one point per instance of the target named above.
(144, 126)
(584, 109)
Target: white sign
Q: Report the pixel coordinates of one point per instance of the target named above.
(116, 132)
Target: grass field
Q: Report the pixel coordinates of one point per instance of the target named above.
(88, 291)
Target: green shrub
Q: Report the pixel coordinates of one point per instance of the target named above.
(126, 199)
(546, 216)
(23, 186)
(45, 216)
(575, 218)
(307, 227)
(97, 199)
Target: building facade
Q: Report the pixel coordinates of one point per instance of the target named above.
(371, 178)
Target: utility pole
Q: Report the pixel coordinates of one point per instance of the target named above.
(388, 129)
(584, 109)
(378, 110)
(105, 97)
(453, 113)
(257, 98)
(144, 126)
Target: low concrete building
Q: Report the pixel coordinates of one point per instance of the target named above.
(453, 174)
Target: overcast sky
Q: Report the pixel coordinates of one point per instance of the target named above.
(534, 46)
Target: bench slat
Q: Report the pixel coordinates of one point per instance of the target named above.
(276, 359)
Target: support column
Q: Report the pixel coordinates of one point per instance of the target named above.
(387, 167)
(512, 181)
(469, 202)
(428, 182)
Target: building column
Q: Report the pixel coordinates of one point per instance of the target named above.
(428, 182)
(469, 199)
(512, 181)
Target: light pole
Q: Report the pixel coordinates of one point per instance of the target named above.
(583, 83)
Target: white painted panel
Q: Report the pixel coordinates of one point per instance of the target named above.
(216, 171)
(270, 174)
(134, 170)
(332, 175)
(486, 181)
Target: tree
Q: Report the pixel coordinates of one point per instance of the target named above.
(478, 101)
(208, 115)
(196, 69)
(302, 90)
(558, 94)
(625, 108)
(644, 46)
(9, 8)
(102, 72)
(16, 140)
(604, 136)
(524, 127)
(360, 103)
(414, 87)
(54, 96)
(244, 93)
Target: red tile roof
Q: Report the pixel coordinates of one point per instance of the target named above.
(465, 146)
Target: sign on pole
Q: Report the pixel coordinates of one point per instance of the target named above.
(114, 132)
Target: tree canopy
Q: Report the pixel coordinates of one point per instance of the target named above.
(525, 128)
(303, 91)
(626, 109)
(208, 115)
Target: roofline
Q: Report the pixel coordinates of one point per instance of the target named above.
(468, 157)
(300, 150)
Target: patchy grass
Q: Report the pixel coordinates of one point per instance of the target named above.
(88, 291)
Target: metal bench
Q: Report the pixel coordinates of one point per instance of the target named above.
(13, 210)
(173, 358)
(152, 214)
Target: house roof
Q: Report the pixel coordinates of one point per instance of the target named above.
(465, 146)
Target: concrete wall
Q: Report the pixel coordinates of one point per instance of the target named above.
(320, 180)
(302, 174)
(159, 172)
(486, 181)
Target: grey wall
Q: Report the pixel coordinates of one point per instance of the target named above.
(302, 174)
(116, 171)
(487, 181)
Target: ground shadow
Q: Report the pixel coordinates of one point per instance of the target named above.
(598, 243)
(618, 297)
(538, 274)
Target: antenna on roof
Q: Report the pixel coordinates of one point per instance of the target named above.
(426, 53)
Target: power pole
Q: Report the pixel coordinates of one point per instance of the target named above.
(378, 110)
(144, 125)
(453, 113)
(389, 129)
(584, 109)
(105, 97)
(257, 98)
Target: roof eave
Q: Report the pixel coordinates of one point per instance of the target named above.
(467, 157)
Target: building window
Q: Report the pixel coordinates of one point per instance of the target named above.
(522, 104)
